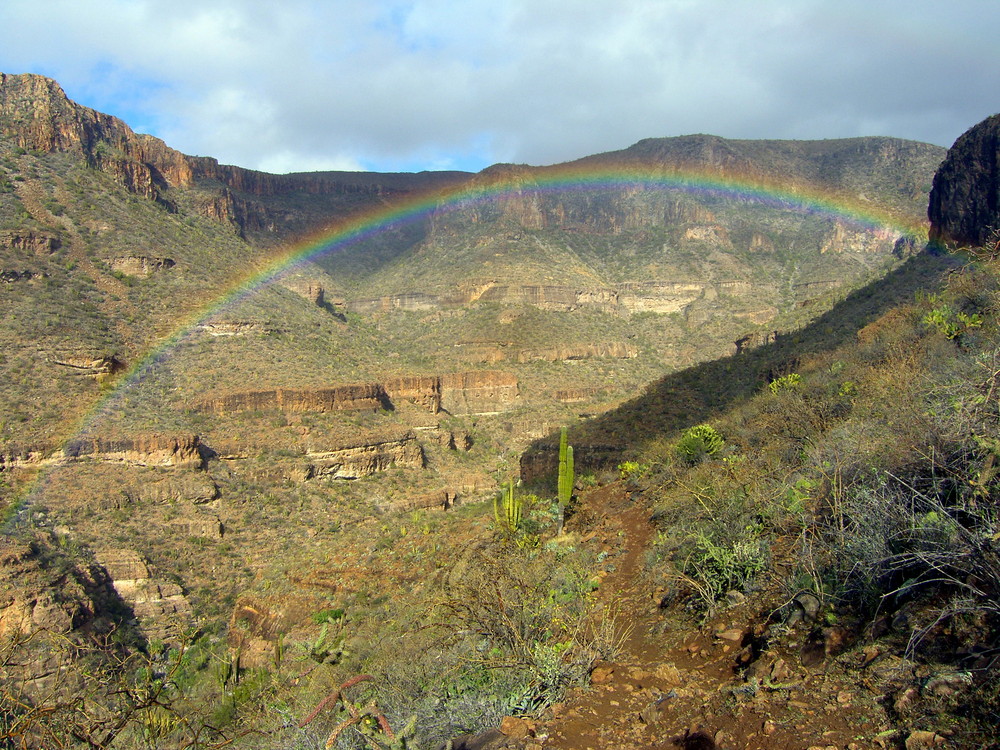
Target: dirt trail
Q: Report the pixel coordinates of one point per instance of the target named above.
(673, 677)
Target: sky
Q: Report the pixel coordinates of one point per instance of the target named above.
(394, 85)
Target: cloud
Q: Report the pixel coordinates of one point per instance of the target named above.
(394, 84)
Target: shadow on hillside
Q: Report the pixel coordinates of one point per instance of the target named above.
(702, 392)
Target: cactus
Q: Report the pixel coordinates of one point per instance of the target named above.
(507, 509)
(564, 484)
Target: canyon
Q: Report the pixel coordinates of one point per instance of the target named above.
(201, 434)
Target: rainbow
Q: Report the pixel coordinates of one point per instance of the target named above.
(503, 183)
(498, 183)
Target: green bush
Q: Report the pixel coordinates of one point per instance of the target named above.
(788, 382)
(698, 442)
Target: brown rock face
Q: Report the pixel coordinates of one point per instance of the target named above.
(478, 392)
(83, 364)
(160, 607)
(139, 265)
(611, 350)
(142, 450)
(367, 457)
(964, 206)
(421, 390)
(457, 393)
(26, 241)
(359, 397)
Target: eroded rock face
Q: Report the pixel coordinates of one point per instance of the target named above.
(366, 457)
(235, 328)
(49, 606)
(964, 206)
(88, 365)
(30, 242)
(481, 392)
(355, 397)
(611, 350)
(457, 393)
(160, 607)
(421, 390)
(142, 450)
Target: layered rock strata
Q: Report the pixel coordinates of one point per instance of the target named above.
(160, 607)
(356, 397)
(33, 243)
(366, 457)
(456, 393)
(178, 451)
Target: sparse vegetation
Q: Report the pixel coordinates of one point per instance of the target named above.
(853, 459)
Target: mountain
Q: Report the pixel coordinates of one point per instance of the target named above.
(208, 428)
(964, 204)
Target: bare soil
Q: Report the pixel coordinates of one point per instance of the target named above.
(739, 679)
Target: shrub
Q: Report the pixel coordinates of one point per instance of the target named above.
(698, 442)
(788, 382)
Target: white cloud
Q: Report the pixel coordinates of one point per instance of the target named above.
(409, 83)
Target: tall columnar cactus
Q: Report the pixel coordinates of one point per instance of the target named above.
(507, 509)
(564, 485)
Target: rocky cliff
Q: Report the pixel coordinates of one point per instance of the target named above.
(363, 457)
(356, 397)
(457, 393)
(36, 113)
(162, 610)
(143, 450)
(964, 207)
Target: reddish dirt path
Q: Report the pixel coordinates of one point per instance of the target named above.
(672, 677)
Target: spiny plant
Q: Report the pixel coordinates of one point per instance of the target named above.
(564, 486)
(508, 509)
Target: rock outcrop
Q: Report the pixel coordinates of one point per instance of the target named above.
(235, 328)
(483, 392)
(88, 365)
(10, 276)
(420, 390)
(30, 242)
(31, 600)
(964, 207)
(160, 607)
(176, 451)
(611, 350)
(456, 393)
(366, 456)
(51, 609)
(356, 397)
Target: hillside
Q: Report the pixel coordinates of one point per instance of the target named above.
(258, 473)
